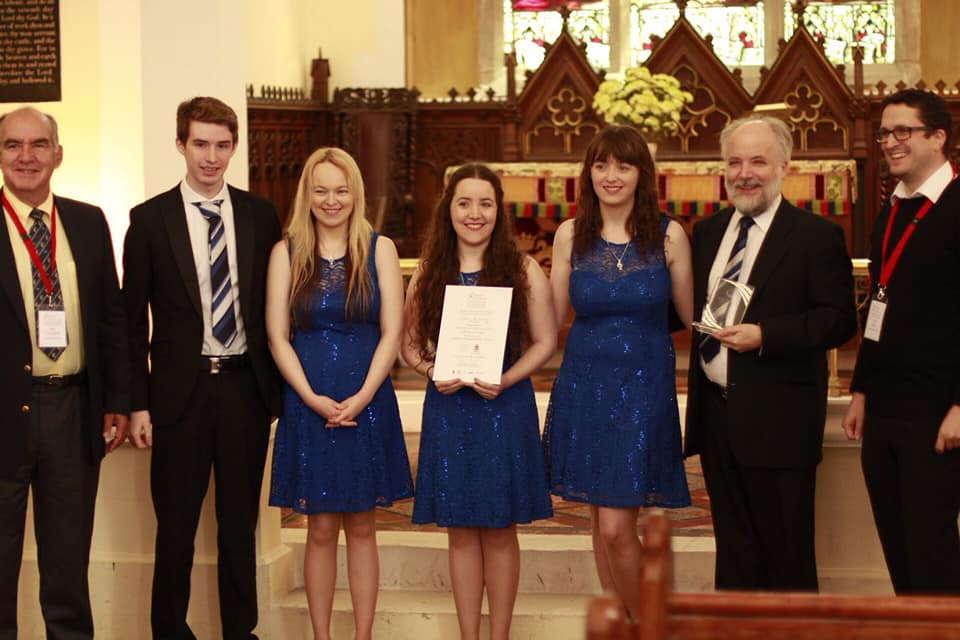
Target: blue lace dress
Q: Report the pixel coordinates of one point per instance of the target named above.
(344, 469)
(612, 435)
(480, 463)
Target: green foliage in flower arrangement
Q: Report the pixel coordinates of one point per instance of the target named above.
(652, 102)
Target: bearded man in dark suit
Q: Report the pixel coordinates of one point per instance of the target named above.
(758, 389)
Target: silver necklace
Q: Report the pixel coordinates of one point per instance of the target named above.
(330, 261)
(613, 253)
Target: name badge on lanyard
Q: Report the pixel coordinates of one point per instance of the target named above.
(51, 327)
(51, 318)
(888, 262)
(871, 331)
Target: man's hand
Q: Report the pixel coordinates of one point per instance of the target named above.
(740, 337)
(141, 429)
(853, 419)
(114, 430)
(949, 435)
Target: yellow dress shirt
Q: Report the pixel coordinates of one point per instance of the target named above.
(72, 359)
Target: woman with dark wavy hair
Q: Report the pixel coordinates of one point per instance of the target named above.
(612, 436)
(480, 470)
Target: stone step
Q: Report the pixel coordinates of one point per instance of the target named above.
(560, 564)
(431, 615)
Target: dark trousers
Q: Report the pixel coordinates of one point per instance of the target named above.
(763, 519)
(915, 495)
(64, 482)
(227, 427)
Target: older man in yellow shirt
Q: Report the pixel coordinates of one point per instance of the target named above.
(65, 395)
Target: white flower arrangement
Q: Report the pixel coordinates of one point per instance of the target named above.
(652, 102)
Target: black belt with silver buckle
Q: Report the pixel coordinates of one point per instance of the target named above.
(216, 364)
(59, 382)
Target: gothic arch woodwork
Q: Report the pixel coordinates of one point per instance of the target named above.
(817, 97)
(557, 120)
(718, 95)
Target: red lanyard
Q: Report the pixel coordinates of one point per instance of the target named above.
(888, 261)
(32, 250)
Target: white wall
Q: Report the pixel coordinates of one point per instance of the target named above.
(189, 48)
(279, 46)
(363, 39)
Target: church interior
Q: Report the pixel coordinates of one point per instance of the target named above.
(412, 88)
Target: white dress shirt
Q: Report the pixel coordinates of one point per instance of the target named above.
(199, 230)
(933, 187)
(716, 369)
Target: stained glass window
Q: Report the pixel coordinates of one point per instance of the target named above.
(737, 28)
(738, 31)
(528, 33)
(844, 25)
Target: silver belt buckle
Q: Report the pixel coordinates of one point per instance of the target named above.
(214, 365)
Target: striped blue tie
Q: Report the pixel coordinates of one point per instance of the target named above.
(222, 317)
(40, 237)
(710, 347)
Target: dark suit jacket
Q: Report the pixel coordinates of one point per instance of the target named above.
(159, 271)
(104, 333)
(803, 301)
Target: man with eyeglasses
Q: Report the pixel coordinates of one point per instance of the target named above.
(906, 384)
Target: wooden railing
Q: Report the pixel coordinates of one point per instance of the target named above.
(665, 614)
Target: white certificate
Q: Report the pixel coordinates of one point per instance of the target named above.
(473, 333)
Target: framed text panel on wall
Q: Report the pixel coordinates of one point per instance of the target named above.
(29, 50)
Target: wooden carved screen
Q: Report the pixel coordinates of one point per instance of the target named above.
(404, 144)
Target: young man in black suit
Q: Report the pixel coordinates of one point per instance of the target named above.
(64, 365)
(196, 257)
(757, 392)
(906, 385)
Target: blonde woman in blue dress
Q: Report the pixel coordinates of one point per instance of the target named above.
(334, 317)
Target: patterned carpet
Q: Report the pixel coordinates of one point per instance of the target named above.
(568, 517)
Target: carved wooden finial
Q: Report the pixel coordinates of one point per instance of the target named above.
(921, 85)
(510, 62)
(564, 12)
(881, 88)
(858, 85)
(940, 86)
(799, 8)
(682, 7)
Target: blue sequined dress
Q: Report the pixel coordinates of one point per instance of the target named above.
(480, 463)
(612, 435)
(344, 469)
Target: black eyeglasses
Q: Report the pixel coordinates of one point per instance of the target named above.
(899, 133)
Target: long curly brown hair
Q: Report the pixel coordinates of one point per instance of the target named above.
(503, 265)
(624, 143)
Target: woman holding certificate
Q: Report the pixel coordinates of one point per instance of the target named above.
(334, 319)
(480, 469)
(612, 436)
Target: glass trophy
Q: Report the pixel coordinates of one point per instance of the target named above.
(725, 307)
